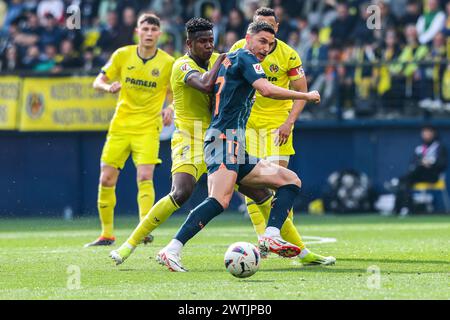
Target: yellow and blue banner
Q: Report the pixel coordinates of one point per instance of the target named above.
(9, 102)
(64, 104)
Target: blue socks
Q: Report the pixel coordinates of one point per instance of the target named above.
(198, 219)
(282, 204)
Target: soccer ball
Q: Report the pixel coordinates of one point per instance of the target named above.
(242, 259)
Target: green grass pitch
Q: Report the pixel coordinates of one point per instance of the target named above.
(41, 258)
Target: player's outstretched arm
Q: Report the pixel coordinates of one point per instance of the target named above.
(205, 82)
(267, 89)
(101, 84)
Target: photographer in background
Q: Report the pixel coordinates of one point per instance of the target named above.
(429, 162)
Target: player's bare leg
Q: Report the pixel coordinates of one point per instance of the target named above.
(106, 202)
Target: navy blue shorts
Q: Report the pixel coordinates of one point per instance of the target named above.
(228, 153)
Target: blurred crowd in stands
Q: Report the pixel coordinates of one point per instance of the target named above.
(394, 66)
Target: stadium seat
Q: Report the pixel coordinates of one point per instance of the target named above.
(439, 185)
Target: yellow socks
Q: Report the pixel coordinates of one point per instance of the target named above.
(145, 197)
(159, 213)
(106, 202)
(290, 233)
(259, 214)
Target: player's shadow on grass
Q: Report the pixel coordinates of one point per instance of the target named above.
(416, 261)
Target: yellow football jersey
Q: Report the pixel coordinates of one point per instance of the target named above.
(144, 88)
(189, 104)
(282, 65)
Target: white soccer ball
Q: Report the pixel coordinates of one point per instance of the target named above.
(242, 259)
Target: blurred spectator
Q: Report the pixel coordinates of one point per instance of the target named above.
(305, 37)
(68, 58)
(284, 28)
(109, 32)
(104, 8)
(388, 21)
(230, 39)
(47, 60)
(341, 28)
(236, 23)
(91, 63)
(167, 9)
(31, 59)
(431, 22)
(3, 11)
(219, 26)
(51, 33)
(125, 34)
(360, 32)
(316, 58)
(405, 71)
(53, 7)
(447, 26)
(30, 33)
(432, 74)
(428, 163)
(10, 61)
(14, 11)
(413, 11)
(388, 89)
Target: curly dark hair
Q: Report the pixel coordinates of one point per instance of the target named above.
(265, 12)
(198, 24)
(259, 26)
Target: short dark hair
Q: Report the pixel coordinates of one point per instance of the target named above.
(195, 25)
(259, 26)
(265, 12)
(150, 18)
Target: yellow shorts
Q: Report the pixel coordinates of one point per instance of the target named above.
(260, 139)
(144, 148)
(187, 155)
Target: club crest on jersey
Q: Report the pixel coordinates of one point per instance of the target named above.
(155, 72)
(185, 67)
(258, 68)
(274, 68)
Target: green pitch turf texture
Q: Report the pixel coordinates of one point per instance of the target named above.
(40, 257)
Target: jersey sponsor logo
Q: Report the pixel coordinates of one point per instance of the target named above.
(35, 105)
(155, 72)
(274, 68)
(258, 68)
(272, 79)
(131, 68)
(293, 58)
(142, 83)
(185, 67)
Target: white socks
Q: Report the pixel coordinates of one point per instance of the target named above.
(303, 253)
(272, 232)
(174, 246)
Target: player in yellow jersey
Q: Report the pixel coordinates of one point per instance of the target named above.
(191, 82)
(270, 126)
(141, 75)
